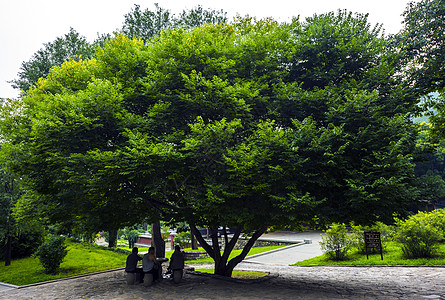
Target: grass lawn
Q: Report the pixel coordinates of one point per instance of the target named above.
(238, 274)
(81, 259)
(392, 256)
(234, 253)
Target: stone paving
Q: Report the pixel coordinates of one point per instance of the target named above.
(284, 282)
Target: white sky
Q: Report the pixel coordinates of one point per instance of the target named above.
(26, 24)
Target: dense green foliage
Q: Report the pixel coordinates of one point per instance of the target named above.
(423, 43)
(423, 47)
(51, 253)
(72, 46)
(16, 240)
(430, 168)
(137, 24)
(23, 244)
(420, 234)
(146, 24)
(221, 125)
(183, 239)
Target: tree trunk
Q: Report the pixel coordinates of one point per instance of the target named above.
(193, 240)
(8, 250)
(222, 265)
(112, 238)
(157, 240)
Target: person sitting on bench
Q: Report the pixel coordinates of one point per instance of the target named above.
(132, 262)
(176, 260)
(150, 264)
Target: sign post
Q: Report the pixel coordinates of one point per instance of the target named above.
(372, 240)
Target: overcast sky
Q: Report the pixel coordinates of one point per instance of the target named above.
(26, 24)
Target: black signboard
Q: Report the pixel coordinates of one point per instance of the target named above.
(372, 240)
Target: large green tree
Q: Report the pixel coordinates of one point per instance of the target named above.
(222, 126)
(422, 44)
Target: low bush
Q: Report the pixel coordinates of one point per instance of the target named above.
(183, 239)
(51, 254)
(437, 219)
(336, 242)
(419, 235)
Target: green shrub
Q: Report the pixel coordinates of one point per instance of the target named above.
(358, 238)
(51, 254)
(336, 242)
(419, 235)
(183, 239)
(437, 219)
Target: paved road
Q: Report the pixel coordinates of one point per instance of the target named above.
(291, 254)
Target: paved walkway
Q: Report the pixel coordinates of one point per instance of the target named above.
(283, 281)
(291, 254)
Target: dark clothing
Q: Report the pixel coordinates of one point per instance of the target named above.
(132, 262)
(177, 261)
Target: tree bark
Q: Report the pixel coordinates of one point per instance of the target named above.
(8, 250)
(112, 240)
(193, 239)
(157, 240)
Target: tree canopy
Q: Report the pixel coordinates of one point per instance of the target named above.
(422, 45)
(71, 46)
(139, 24)
(247, 125)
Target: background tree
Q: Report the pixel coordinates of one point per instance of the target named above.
(145, 24)
(8, 197)
(17, 239)
(422, 43)
(71, 46)
(430, 167)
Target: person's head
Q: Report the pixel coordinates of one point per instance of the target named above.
(177, 248)
(151, 250)
(135, 250)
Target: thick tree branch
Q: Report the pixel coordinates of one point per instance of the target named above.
(201, 241)
(226, 239)
(215, 244)
(229, 246)
(236, 260)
